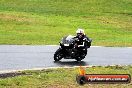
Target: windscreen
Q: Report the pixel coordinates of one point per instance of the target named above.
(68, 39)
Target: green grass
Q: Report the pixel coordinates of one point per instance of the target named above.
(108, 23)
(63, 78)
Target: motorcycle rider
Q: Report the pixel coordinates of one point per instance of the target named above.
(82, 42)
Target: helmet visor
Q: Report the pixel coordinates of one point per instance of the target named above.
(79, 35)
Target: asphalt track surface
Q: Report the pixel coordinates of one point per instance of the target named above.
(16, 57)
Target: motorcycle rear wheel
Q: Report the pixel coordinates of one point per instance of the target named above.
(79, 59)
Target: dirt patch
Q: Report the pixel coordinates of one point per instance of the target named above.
(9, 17)
(13, 74)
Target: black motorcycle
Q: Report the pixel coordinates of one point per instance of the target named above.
(67, 50)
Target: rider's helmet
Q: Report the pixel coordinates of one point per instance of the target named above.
(80, 33)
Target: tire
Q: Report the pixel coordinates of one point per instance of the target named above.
(58, 55)
(81, 80)
(81, 55)
(78, 59)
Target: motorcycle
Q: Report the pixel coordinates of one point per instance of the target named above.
(67, 49)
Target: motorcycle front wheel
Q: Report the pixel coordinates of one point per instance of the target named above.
(58, 55)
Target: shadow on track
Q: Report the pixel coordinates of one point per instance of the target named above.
(71, 63)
